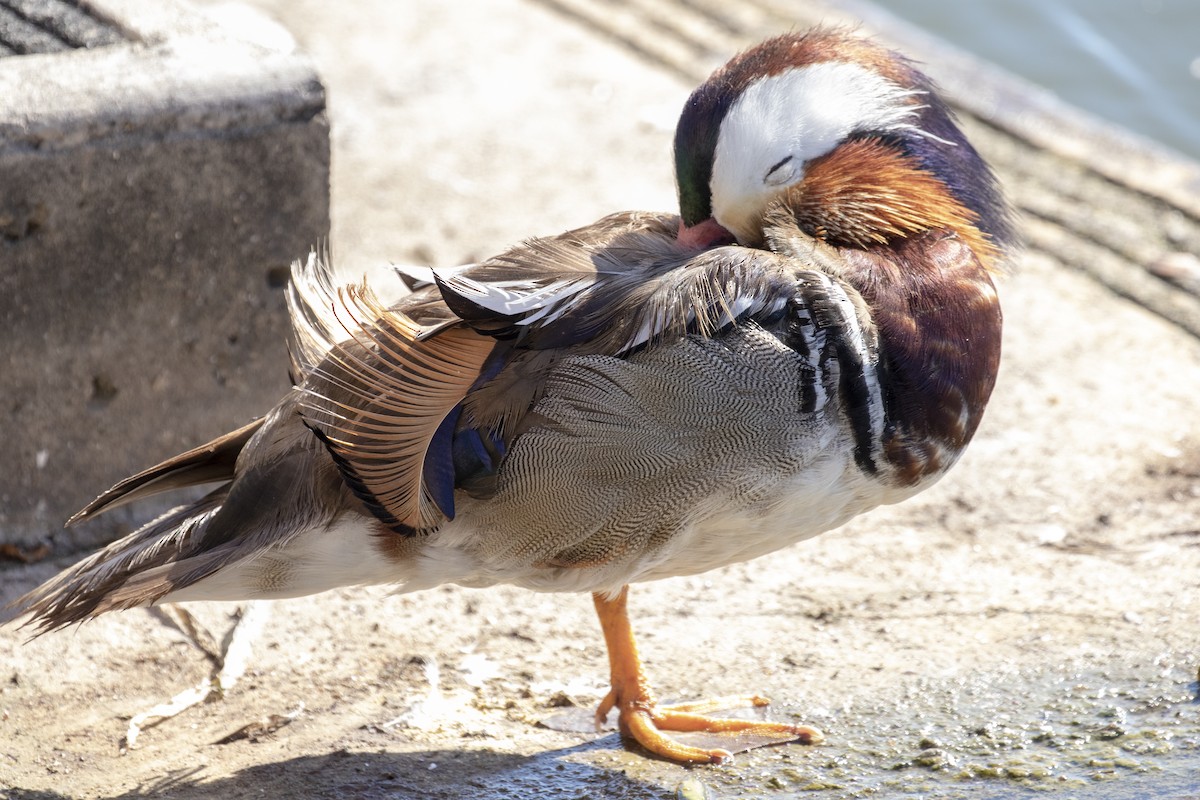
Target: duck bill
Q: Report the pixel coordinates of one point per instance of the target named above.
(704, 235)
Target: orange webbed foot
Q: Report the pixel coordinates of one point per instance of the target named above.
(642, 719)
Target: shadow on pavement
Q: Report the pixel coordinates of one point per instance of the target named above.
(433, 774)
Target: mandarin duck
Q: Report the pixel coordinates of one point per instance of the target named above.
(652, 395)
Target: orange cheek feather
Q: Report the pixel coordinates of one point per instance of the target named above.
(865, 193)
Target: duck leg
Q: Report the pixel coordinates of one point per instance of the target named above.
(229, 664)
(642, 719)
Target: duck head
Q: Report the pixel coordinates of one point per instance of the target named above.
(846, 136)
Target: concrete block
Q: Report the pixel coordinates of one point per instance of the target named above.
(158, 172)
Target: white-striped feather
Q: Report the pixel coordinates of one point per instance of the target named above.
(511, 298)
(858, 339)
(312, 305)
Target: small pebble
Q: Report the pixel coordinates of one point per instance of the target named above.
(694, 789)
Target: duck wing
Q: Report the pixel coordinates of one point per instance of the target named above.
(423, 398)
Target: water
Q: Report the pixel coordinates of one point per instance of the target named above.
(1103, 728)
(1134, 62)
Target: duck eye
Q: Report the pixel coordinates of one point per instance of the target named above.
(783, 171)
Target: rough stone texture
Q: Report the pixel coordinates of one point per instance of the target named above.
(154, 193)
(49, 26)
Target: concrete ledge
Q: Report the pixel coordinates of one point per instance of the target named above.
(153, 193)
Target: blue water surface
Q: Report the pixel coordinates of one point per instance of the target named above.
(1134, 62)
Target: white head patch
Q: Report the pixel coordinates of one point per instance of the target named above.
(782, 121)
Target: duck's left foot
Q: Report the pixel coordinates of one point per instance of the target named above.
(641, 718)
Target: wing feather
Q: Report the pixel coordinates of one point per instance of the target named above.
(378, 399)
(209, 463)
(617, 298)
(413, 399)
